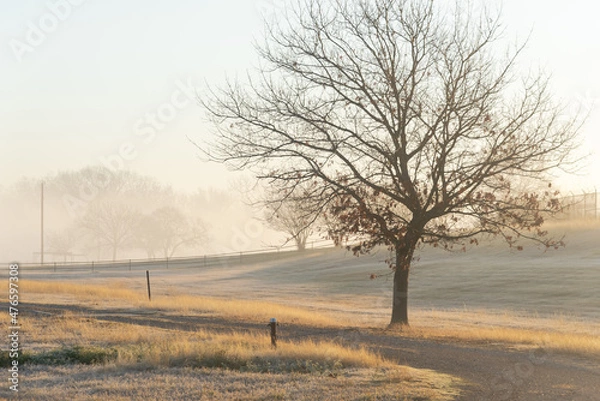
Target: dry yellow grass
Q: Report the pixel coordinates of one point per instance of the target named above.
(241, 309)
(116, 383)
(247, 309)
(562, 342)
(94, 292)
(164, 347)
(243, 350)
(558, 334)
(155, 363)
(71, 329)
(147, 355)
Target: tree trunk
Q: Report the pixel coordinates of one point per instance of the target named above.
(300, 243)
(404, 255)
(400, 297)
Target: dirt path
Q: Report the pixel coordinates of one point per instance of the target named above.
(490, 372)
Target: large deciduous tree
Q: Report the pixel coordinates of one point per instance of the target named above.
(407, 119)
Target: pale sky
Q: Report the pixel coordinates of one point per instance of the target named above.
(111, 81)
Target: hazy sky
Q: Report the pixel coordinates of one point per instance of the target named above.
(106, 81)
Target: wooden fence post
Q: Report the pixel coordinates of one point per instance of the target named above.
(148, 283)
(273, 324)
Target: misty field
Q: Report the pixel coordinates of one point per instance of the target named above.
(533, 282)
(94, 335)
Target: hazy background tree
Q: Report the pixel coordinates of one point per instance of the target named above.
(111, 226)
(289, 215)
(407, 119)
(69, 195)
(108, 205)
(78, 189)
(167, 229)
(63, 244)
(234, 224)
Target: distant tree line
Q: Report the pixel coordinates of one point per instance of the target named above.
(112, 212)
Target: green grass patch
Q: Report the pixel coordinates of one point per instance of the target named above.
(64, 356)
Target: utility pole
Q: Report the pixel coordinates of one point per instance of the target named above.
(42, 227)
(595, 203)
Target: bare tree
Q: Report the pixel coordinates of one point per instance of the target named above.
(408, 122)
(289, 215)
(111, 225)
(63, 243)
(167, 229)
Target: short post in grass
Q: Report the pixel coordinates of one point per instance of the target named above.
(148, 282)
(273, 324)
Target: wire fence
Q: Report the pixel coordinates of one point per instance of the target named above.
(208, 260)
(583, 206)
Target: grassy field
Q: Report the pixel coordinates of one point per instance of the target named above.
(132, 348)
(558, 333)
(70, 355)
(490, 277)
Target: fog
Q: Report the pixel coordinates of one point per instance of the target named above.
(81, 94)
(114, 85)
(99, 214)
